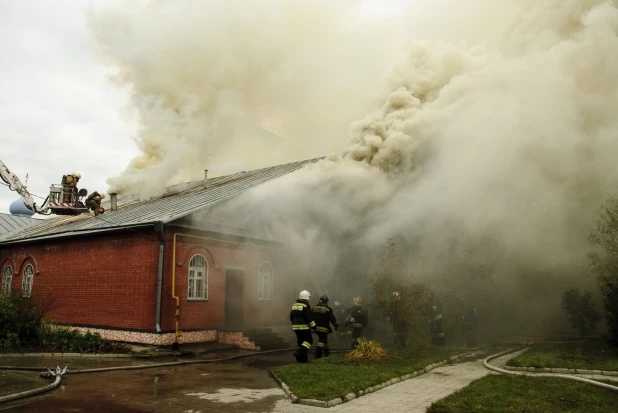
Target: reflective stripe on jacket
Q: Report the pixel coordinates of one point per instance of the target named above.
(300, 316)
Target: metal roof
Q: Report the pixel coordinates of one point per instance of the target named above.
(10, 223)
(177, 202)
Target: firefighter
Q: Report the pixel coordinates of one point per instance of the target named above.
(468, 317)
(358, 320)
(69, 186)
(434, 311)
(302, 324)
(323, 316)
(94, 203)
(398, 320)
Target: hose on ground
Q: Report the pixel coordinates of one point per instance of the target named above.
(564, 376)
(29, 393)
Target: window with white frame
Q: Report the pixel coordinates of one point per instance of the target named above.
(265, 281)
(26, 284)
(198, 278)
(7, 277)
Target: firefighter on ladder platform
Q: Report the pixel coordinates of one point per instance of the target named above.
(323, 316)
(302, 324)
(69, 187)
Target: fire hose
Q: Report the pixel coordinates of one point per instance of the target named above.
(564, 376)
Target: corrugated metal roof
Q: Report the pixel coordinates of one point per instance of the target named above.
(10, 223)
(178, 201)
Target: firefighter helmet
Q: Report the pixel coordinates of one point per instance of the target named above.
(358, 301)
(102, 196)
(101, 209)
(324, 299)
(304, 295)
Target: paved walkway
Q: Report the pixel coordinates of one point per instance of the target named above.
(410, 396)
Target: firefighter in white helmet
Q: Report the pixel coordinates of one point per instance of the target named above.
(302, 325)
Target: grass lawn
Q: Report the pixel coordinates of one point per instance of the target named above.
(334, 376)
(594, 354)
(509, 393)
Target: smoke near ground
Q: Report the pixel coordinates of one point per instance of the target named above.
(489, 144)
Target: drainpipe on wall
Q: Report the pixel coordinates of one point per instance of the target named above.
(158, 227)
(205, 178)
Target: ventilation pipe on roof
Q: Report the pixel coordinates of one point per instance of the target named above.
(205, 178)
(114, 201)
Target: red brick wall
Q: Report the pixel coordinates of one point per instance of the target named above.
(111, 280)
(99, 280)
(221, 255)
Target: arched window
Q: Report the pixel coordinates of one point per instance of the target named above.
(198, 278)
(265, 281)
(26, 284)
(7, 277)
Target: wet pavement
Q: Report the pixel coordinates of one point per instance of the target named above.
(239, 385)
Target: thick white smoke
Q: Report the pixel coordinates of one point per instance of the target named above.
(491, 150)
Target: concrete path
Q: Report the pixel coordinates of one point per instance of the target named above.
(410, 396)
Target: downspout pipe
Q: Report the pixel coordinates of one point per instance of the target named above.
(159, 230)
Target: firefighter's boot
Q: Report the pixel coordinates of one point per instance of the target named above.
(303, 355)
(326, 351)
(318, 352)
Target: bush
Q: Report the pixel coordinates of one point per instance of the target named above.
(20, 320)
(581, 312)
(22, 326)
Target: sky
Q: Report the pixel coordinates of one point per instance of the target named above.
(59, 112)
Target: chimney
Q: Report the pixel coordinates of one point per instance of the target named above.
(114, 201)
(205, 178)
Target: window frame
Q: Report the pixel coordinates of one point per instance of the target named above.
(6, 283)
(27, 281)
(261, 283)
(191, 277)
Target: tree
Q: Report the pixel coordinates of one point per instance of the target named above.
(604, 263)
(390, 274)
(581, 312)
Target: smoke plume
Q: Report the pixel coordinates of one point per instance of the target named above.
(487, 131)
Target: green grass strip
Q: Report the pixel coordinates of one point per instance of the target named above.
(334, 376)
(593, 354)
(510, 393)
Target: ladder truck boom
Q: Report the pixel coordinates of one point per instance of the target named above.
(15, 185)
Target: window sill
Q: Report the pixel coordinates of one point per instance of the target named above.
(197, 299)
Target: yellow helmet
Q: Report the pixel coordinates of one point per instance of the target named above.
(102, 196)
(358, 301)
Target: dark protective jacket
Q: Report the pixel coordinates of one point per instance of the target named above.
(358, 317)
(301, 316)
(323, 316)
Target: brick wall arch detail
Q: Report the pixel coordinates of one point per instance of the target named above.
(8, 262)
(199, 249)
(29, 260)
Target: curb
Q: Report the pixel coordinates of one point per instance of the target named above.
(351, 396)
(562, 371)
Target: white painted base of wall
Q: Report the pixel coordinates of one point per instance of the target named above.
(167, 339)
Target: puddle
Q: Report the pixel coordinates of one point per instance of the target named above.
(238, 395)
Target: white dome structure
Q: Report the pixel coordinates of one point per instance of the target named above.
(18, 208)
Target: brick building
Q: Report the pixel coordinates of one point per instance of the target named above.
(179, 267)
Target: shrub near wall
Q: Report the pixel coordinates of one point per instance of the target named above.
(22, 327)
